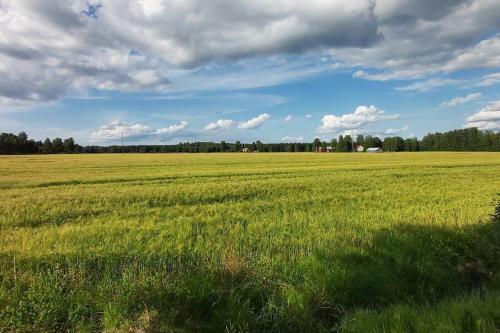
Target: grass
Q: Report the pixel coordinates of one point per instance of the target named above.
(250, 242)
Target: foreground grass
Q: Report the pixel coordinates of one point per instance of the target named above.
(249, 242)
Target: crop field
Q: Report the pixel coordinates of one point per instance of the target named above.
(234, 242)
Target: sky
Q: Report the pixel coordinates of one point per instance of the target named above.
(169, 71)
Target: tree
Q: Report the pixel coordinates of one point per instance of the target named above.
(411, 144)
(360, 139)
(316, 144)
(395, 143)
(260, 146)
(69, 145)
(237, 146)
(377, 142)
(57, 145)
(47, 146)
(333, 143)
(344, 144)
(8, 143)
(22, 142)
(348, 143)
(223, 146)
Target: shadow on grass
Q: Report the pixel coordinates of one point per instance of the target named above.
(405, 264)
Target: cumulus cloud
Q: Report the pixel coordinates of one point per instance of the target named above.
(461, 100)
(49, 49)
(255, 122)
(221, 124)
(308, 116)
(488, 118)
(135, 131)
(172, 129)
(225, 124)
(362, 116)
(288, 118)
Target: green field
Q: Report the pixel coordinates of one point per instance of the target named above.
(302, 242)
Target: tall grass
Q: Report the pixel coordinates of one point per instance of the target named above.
(247, 242)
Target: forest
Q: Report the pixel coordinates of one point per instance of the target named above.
(469, 139)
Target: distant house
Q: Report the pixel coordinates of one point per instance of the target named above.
(374, 150)
(245, 150)
(359, 148)
(324, 150)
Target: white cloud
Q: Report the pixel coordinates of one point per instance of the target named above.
(423, 86)
(308, 116)
(291, 139)
(225, 124)
(362, 116)
(288, 118)
(221, 124)
(255, 122)
(386, 76)
(114, 130)
(173, 129)
(484, 54)
(489, 80)
(396, 131)
(49, 49)
(151, 7)
(461, 100)
(407, 50)
(134, 131)
(488, 118)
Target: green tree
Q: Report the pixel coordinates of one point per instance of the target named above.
(47, 146)
(348, 142)
(223, 146)
(360, 139)
(69, 145)
(316, 144)
(57, 145)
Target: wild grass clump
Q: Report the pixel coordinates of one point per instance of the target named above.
(250, 243)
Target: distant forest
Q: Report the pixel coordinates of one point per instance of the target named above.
(470, 139)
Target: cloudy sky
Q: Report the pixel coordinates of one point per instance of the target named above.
(165, 71)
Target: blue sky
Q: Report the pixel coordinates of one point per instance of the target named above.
(172, 71)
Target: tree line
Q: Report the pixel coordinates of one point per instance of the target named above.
(20, 144)
(469, 139)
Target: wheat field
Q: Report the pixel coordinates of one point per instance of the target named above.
(249, 242)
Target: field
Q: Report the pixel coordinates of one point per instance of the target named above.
(300, 242)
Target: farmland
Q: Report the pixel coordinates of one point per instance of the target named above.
(250, 242)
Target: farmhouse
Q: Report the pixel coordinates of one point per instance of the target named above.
(328, 149)
(359, 148)
(374, 150)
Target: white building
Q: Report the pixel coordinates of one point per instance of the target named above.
(359, 148)
(374, 150)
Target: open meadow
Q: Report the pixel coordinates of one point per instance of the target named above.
(237, 242)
